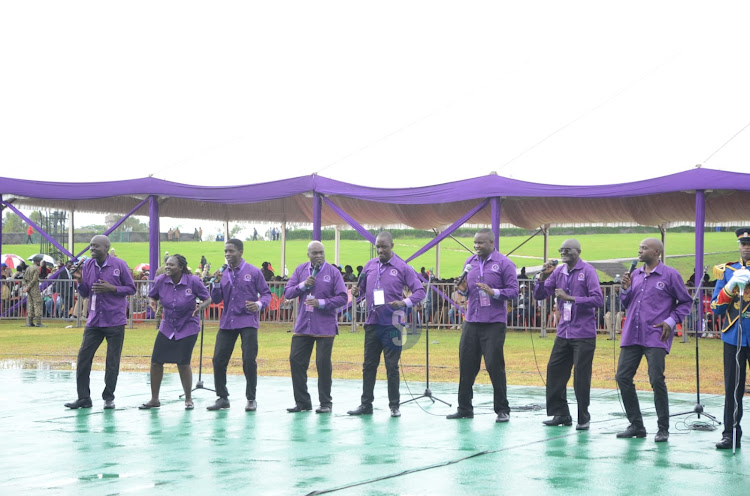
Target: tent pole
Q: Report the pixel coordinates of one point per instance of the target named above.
(495, 202)
(437, 258)
(317, 207)
(337, 245)
(154, 237)
(71, 232)
(663, 231)
(283, 248)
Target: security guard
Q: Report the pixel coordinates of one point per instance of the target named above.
(727, 302)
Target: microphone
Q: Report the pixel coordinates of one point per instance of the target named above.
(633, 265)
(77, 266)
(316, 269)
(221, 271)
(463, 274)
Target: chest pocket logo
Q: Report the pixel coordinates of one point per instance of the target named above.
(116, 272)
(581, 276)
(394, 272)
(495, 267)
(247, 277)
(188, 291)
(327, 278)
(660, 285)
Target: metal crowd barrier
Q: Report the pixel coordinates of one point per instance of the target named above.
(525, 313)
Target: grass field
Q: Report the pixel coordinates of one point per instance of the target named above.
(523, 351)
(595, 247)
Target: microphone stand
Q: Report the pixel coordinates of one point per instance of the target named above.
(199, 384)
(427, 392)
(698, 408)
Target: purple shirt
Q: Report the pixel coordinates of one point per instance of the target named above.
(178, 301)
(391, 277)
(239, 284)
(652, 299)
(583, 284)
(107, 309)
(499, 273)
(330, 291)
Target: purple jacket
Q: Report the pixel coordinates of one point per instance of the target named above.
(107, 309)
(499, 273)
(242, 283)
(650, 300)
(178, 301)
(391, 277)
(581, 283)
(330, 291)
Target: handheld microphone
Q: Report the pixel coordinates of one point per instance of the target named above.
(463, 274)
(221, 271)
(633, 265)
(78, 265)
(554, 262)
(316, 269)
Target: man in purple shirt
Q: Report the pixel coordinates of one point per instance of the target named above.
(576, 286)
(244, 291)
(656, 300)
(106, 281)
(383, 280)
(489, 283)
(320, 291)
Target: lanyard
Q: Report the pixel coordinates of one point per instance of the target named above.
(481, 268)
(381, 269)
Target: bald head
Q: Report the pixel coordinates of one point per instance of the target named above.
(99, 247)
(316, 253)
(650, 251)
(570, 252)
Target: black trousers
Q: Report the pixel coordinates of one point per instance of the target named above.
(730, 371)
(386, 340)
(630, 359)
(567, 354)
(225, 340)
(480, 339)
(299, 361)
(92, 339)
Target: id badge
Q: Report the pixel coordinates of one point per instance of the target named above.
(484, 299)
(378, 297)
(93, 303)
(567, 309)
(309, 308)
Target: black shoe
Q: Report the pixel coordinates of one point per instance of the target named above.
(726, 443)
(460, 415)
(109, 404)
(79, 403)
(559, 420)
(361, 410)
(395, 412)
(323, 409)
(297, 409)
(633, 431)
(661, 436)
(582, 426)
(221, 404)
(502, 417)
(251, 406)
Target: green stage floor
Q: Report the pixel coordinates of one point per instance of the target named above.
(47, 449)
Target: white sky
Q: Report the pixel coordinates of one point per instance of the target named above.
(377, 93)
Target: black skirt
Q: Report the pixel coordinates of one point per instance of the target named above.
(173, 351)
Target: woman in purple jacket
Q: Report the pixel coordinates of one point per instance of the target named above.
(177, 290)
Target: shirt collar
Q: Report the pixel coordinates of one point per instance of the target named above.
(578, 266)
